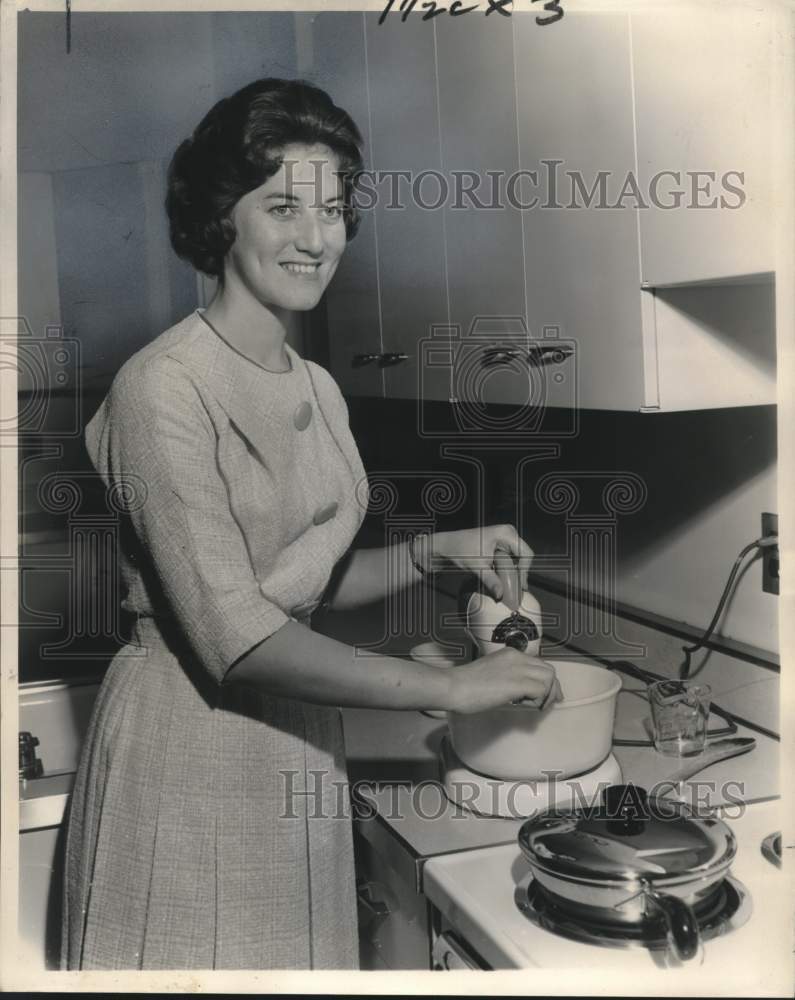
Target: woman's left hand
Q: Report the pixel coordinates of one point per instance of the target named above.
(473, 550)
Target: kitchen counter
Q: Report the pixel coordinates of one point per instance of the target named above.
(393, 766)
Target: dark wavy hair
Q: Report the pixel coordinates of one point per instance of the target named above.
(236, 147)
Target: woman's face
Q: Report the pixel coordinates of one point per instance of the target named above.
(290, 232)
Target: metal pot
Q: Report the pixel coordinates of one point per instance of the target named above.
(632, 861)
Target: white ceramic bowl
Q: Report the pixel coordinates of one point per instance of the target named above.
(519, 742)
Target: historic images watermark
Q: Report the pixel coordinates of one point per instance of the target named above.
(320, 794)
(548, 189)
(47, 370)
(553, 185)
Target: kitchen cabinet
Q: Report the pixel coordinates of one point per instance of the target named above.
(443, 271)
(394, 929)
(404, 136)
(581, 265)
(709, 123)
(540, 233)
(332, 55)
(590, 267)
(478, 138)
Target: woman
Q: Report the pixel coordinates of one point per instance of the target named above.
(242, 480)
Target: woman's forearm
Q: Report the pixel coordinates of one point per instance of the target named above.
(370, 575)
(296, 662)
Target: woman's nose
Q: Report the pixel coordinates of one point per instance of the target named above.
(309, 237)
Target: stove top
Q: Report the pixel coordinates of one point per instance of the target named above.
(476, 893)
(728, 908)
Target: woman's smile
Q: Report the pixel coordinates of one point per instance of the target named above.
(290, 233)
(301, 270)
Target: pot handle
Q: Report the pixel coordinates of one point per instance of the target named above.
(682, 924)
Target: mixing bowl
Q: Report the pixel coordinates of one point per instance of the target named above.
(519, 742)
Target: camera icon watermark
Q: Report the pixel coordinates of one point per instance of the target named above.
(503, 382)
(47, 372)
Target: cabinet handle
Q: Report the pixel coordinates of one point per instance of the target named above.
(388, 358)
(364, 359)
(393, 358)
(376, 908)
(536, 355)
(549, 355)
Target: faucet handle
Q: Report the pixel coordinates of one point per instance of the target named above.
(29, 764)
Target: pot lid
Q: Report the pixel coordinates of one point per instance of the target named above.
(628, 837)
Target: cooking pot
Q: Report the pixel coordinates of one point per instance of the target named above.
(634, 861)
(567, 738)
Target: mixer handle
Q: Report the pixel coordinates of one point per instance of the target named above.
(510, 576)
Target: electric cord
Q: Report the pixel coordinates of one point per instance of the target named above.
(759, 543)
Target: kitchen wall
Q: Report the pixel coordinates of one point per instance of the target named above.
(709, 475)
(97, 127)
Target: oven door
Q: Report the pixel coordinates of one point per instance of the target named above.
(451, 953)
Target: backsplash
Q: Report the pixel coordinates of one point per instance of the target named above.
(746, 689)
(708, 477)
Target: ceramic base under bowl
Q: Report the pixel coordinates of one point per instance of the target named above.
(512, 799)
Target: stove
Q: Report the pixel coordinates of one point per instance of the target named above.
(725, 909)
(486, 899)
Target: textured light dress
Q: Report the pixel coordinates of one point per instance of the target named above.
(189, 845)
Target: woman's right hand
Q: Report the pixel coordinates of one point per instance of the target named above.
(500, 678)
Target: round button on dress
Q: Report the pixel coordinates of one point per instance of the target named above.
(323, 514)
(303, 416)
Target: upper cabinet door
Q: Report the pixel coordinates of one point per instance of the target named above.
(331, 53)
(483, 233)
(705, 111)
(576, 143)
(404, 142)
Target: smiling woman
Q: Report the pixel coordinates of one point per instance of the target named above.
(244, 490)
(290, 225)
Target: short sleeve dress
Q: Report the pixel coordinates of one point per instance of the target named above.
(209, 826)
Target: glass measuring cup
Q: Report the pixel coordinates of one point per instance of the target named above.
(679, 713)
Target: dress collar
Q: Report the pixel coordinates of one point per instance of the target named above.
(291, 354)
(259, 403)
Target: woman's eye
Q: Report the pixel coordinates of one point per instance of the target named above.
(333, 211)
(282, 211)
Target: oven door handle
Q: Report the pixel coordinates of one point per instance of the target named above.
(450, 954)
(372, 908)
